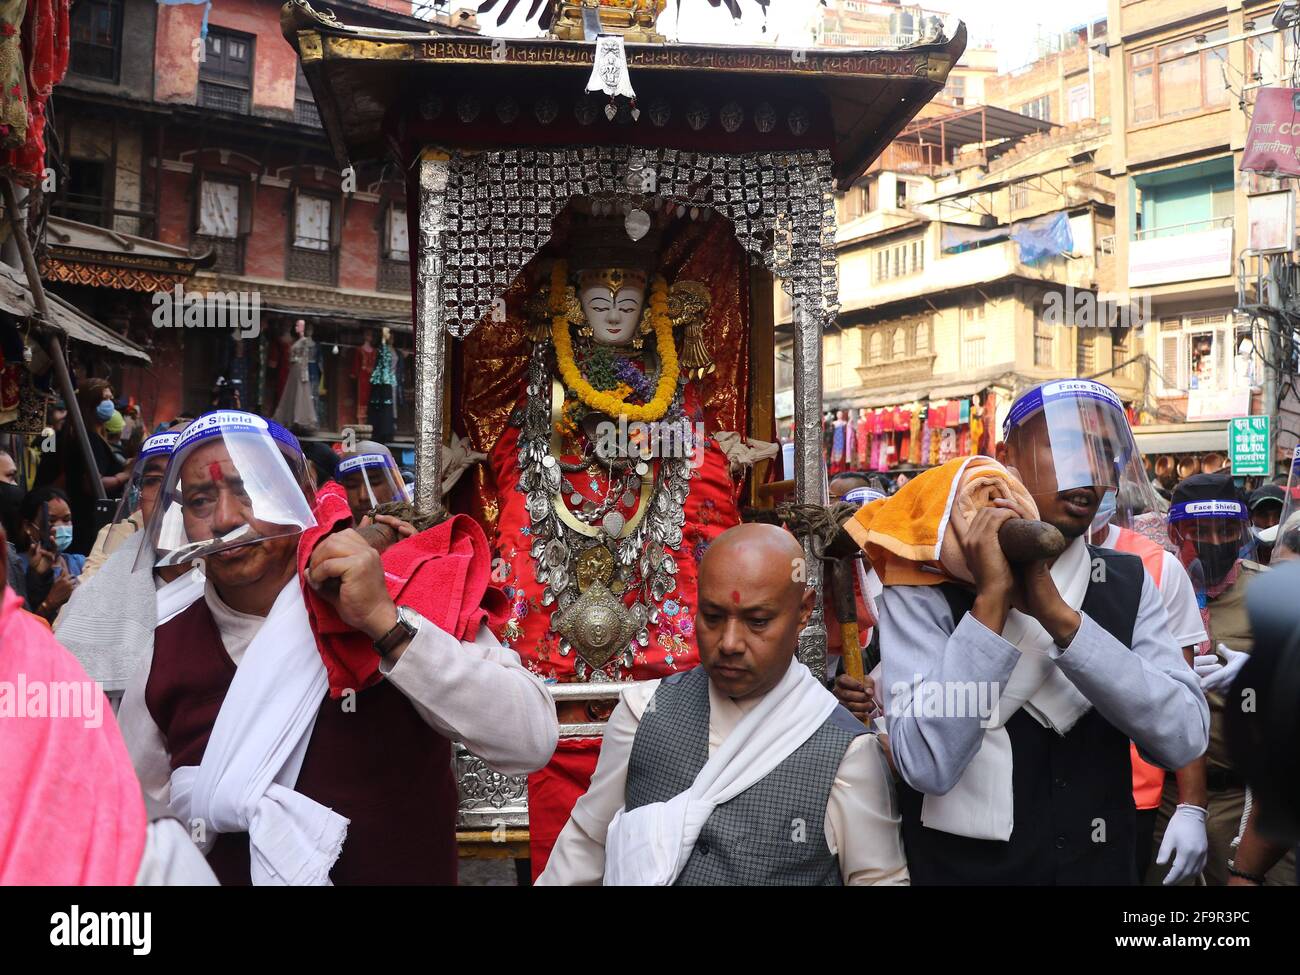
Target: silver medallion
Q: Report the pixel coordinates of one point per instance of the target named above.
(637, 224)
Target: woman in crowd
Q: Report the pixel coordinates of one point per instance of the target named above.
(51, 570)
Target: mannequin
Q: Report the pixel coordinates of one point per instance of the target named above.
(383, 380)
(297, 407)
(363, 364)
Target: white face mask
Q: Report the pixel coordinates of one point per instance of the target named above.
(613, 317)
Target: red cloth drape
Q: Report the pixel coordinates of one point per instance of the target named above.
(554, 791)
(45, 59)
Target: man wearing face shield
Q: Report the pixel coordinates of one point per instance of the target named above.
(1209, 525)
(229, 717)
(1077, 653)
(1127, 522)
(137, 499)
(109, 621)
(370, 477)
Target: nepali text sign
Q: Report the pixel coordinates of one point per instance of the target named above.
(1273, 142)
(1248, 446)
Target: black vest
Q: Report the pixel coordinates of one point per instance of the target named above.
(1073, 805)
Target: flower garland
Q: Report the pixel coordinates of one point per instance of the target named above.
(615, 404)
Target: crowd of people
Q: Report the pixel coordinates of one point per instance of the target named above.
(291, 648)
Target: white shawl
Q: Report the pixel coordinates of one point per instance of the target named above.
(648, 846)
(980, 804)
(256, 749)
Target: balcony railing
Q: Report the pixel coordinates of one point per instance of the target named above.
(1181, 252)
(394, 275)
(1177, 229)
(228, 252)
(224, 98)
(305, 113)
(312, 266)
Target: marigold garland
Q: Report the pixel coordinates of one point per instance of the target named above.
(608, 403)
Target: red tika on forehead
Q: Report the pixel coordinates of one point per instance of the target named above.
(214, 471)
(735, 597)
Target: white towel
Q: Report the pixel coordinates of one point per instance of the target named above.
(251, 763)
(649, 845)
(176, 596)
(981, 804)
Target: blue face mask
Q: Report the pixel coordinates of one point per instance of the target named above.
(62, 537)
(1105, 511)
(104, 410)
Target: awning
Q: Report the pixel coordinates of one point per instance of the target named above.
(1167, 438)
(398, 323)
(16, 299)
(81, 253)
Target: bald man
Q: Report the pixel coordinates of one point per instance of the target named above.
(743, 771)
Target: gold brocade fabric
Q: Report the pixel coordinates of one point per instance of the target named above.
(489, 368)
(13, 83)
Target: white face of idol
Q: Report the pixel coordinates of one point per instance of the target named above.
(613, 316)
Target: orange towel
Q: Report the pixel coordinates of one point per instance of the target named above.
(913, 537)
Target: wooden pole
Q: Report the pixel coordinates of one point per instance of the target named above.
(52, 345)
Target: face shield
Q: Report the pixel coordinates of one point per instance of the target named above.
(862, 496)
(1071, 445)
(370, 479)
(234, 479)
(1210, 537)
(146, 479)
(1287, 531)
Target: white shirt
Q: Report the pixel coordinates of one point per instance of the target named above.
(862, 822)
(475, 693)
(1176, 591)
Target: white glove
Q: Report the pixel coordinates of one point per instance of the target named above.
(1219, 678)
(1185, 839)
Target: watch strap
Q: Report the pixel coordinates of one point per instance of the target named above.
(403, 630)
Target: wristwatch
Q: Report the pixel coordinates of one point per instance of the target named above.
(407, 625)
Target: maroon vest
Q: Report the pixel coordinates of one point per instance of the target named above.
(378, 764)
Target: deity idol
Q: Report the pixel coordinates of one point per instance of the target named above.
(609, 483)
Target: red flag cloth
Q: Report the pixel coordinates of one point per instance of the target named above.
(554, 791)
(71, 812)
(442, 573)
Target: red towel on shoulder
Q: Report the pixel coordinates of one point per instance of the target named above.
(442, 573)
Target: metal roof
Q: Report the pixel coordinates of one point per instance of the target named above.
(972, 126)
(368, 83)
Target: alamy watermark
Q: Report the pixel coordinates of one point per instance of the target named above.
(181, 308)
(659, 439)
(1095, 309)
(82, 700)
(945, 699)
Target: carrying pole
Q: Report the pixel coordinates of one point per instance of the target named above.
(53, 347)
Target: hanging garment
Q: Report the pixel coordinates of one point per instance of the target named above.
(297, 407)
(363, 364)
(383, 409)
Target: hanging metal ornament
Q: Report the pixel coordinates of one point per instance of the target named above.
(430, 107)
(731, 116)
(507, 110)
(585, 110)
(797, 120)
(637, 224)
(764, 117)
(546, 110)
(660, 112)
(468, 107)
(697, 115)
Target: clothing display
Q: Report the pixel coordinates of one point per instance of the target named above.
(297, 406)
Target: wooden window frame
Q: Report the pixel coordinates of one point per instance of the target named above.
(1168, 52)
